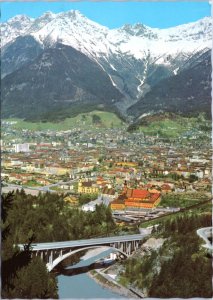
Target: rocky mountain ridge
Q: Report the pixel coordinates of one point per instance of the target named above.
(134, 57)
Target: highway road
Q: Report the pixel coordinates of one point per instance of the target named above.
(11, 187)
(87, 242)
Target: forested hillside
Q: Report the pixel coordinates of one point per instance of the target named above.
(181, 268)
(44, 218)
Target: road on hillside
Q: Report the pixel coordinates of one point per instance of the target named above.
(11, 187)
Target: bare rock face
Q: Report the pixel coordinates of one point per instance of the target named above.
(153, 244)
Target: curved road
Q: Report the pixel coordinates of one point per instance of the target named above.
(36, 190)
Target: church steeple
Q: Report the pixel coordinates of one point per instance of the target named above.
(125, 187)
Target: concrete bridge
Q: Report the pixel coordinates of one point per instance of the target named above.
(55, 252)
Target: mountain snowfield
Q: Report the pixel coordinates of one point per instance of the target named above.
(135, 57)
(73, 29)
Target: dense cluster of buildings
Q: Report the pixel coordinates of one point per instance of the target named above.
(87, 187)
(136, 198)
(99, 162)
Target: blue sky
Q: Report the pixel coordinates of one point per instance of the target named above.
(115, 14)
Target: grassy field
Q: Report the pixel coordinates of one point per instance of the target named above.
(82, 121)
(173, 126)
(166, 127)
(169, 128)
(182, 200)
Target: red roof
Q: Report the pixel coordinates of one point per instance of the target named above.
(154, 196)
(140, 194)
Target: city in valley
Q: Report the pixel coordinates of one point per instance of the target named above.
(144, 177)
(106, 155)
(136, 174)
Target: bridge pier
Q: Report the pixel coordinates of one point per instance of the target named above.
(61, 252)
(124, 247)
(127, 248)
(132, 247)
(51, 258)
(57, 251)
(137, 244)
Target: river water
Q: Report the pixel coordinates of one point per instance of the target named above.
(82, 286)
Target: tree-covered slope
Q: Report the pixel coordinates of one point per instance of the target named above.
(57, 79)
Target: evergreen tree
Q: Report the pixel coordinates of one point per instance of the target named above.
(17, 266)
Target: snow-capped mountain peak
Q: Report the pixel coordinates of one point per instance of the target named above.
(14, 27)
(75, 14)
(132, 59)
(18, 19)
(199, 30)
(140, 30)
(74, 29)
(70, 28)
(131, 48)
(49, 14)
(40, 22)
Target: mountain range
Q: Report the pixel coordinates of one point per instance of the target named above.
(65, 63)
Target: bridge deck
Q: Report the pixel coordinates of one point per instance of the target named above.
(87, 242)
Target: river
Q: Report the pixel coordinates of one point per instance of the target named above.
(81, 285)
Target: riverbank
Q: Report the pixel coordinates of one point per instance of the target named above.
(70, 285)
(106, 277)
(108, 283)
